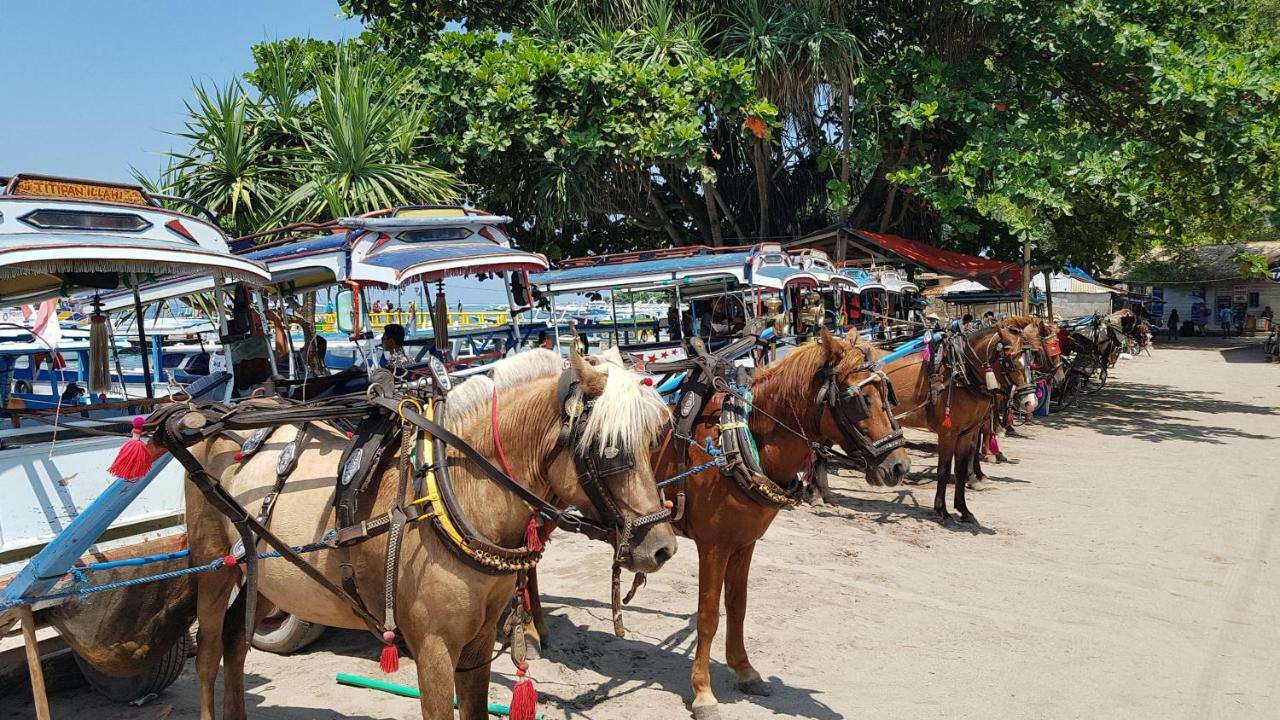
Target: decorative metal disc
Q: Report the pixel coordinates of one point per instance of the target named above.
(352, 466)
(285, 462)
(439, 374)
(254, 443)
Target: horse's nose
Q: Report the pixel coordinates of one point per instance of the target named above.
(663, 554)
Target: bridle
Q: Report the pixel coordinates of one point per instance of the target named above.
(597, 467)
(849, 406)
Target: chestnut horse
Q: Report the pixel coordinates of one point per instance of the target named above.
(725, 521)
(1040, 342)
(447, 607)
(923, 401)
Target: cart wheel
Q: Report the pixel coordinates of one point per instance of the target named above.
(149, 682)
(282, 633)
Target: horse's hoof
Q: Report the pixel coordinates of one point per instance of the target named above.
(706, 712)
(968, 519)
(978, 484)
(945, 518)
(532, 649)
(756, 687)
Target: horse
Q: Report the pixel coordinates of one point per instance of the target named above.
(1040, 345)
(808, 396)
(957, 409)
(447, 606)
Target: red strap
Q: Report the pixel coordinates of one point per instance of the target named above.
(497, 438)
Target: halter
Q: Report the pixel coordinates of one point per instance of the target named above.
(850, 406)
(1018, 391)
(597, 467)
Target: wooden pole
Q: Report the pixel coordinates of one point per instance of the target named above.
(1026, 274)
(1048, 293)
(143, 346)
(38, 695)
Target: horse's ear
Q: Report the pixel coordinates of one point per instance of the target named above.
(591, 380)
(1011, 340)
(835, 348)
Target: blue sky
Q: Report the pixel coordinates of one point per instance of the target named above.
(91, 88)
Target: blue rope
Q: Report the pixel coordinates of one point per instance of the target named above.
(82, 590)
(691, 471)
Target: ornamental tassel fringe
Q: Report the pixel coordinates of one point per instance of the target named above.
(524, 696)
(533, 536)
(99, 356)
(946, 418)
(390, 659)
(990, 378)
(134, 459)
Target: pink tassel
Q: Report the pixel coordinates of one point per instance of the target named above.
(532, 540)
(524, 696)
(927, 354)
(946, 419)
(993, 446)
(134, 460)
(390, 660)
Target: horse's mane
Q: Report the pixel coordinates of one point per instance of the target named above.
(791, 379)
(1020, 321)
(472, 396)
(627, 413)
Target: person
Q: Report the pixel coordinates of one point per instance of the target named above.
(715, 321)
(1173, 324)
(377, 306)
(392, 343)
(1226, 318)
(413, 316)
(674, 326)
(1266, 313)
(1237, 319)
(966, 323)
(988, 319)
(313, 355)
(1199, 318)
(544, 341)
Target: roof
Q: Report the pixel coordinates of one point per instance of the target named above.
(52, 245)
(1000, 274)
(1214, 260)
(663, 270)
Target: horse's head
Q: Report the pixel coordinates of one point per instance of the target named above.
(1040, 341)
(1017, 381)
(857, 404)
(613, 419)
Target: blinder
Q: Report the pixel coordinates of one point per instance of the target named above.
(850, 406)
(596, 466)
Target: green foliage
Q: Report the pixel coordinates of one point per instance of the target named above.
(326, 132)
(1251, 265)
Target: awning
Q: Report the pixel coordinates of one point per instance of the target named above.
(995, 274)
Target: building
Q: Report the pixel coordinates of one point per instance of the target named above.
(1216, 283)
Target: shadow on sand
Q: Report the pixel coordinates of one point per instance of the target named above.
(661, 663)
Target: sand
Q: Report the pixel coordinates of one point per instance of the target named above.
(1128, 566)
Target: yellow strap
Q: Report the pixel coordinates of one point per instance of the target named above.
(433, 492)
(735, 425)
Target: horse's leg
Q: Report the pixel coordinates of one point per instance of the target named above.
(535, 631)
(235, 647)
(213, 589)
(967, 447)
(946, 453)
(472, 686)
(435, 675)
(711, 570)
(735, 606)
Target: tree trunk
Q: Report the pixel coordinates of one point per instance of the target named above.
(845, 147)
(1026, 272)
(694, 206)
(662, 213)
(762, 187)
(709, 197)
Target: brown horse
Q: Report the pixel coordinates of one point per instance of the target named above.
(1040, 342)
(447, 606)
(956, 410)
(725, 520)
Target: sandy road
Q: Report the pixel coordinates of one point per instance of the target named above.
(1127, 567)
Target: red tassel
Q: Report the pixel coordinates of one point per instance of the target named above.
(532, 538)
(134, 460)
(390, 660)
(946, 419)
(524, 696)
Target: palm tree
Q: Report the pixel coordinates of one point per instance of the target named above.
(361, 146)
(229, 167)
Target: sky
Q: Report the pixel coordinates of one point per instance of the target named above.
(92, 88)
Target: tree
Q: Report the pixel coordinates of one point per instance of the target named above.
(1111, 124)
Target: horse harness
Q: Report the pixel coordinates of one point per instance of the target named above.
(387, 423)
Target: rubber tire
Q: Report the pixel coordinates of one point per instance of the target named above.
(289, 636)
(151, 681)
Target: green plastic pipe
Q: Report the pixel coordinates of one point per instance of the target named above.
(409, 692)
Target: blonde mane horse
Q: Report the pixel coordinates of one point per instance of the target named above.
(447, 609)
